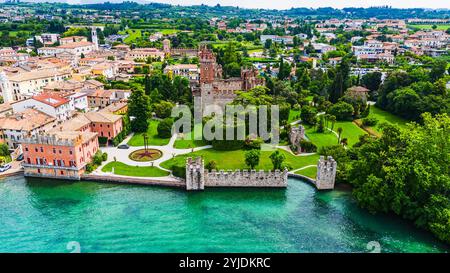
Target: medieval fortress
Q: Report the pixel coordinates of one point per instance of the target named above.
(296, 135)
(197, 178)
(213, 89)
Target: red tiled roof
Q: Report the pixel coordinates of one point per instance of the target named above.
(51, 99)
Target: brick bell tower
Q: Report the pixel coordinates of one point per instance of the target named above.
(207, 64)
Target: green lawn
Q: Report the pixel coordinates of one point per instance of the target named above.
(133, 34)
(383, 116)
(153, 138)
(309, 172)
(321, 139)
(188, 142)
(123, 169)
(439, 26)
(350, 131)
(233, 160)
(168, 31)
(293, 115)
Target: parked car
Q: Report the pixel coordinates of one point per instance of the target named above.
(4, 168)
(123, 146)
(20, 157)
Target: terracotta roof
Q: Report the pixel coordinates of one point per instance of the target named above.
(51, 99)
(26, 120)
(102, 117)
(73, 124)
(358, 89)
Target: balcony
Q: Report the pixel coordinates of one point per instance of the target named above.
(26, 165)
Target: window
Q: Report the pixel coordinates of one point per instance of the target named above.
(42, 150)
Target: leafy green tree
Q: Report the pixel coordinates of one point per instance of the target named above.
(252, 158)
(277, 159)
(339, 131)
(163, 109)
(308, 114)
(371, 81)
(165, 128)
(407, 172)
(139, 108)
(342, 110)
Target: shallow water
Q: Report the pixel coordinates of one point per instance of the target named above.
(39, 215)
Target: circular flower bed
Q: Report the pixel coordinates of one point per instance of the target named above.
(145, 155)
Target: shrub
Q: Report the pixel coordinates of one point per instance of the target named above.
(163, 109)
(98, 158)
(369, 121)
(89, 167)
(308, 146)
(228, 145)
(253, 143)
(165, 128)
(211, 165)
(102, 140)
(179, 171)
(4, 149)
(104, 156)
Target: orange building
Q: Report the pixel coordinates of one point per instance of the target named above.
(105, 124)
(59, 154)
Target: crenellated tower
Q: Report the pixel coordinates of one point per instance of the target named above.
(326, 173)
(195, 174)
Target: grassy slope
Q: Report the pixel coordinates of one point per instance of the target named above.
(350, 131)
(383, 116)
(309, 172)
(232, 160)
(152, 133)
(123, 169)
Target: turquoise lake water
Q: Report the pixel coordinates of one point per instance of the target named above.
(45, 215)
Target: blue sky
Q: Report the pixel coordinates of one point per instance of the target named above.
(286, 4)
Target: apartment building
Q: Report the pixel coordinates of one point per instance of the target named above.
(190, 71)
(62, 154)
(23, 85)
(51, 104)
(13, 128)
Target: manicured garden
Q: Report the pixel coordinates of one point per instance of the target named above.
(186, 141)
(320, 139)
(126, 170)
(153, 138)
(350, 131)
(144, 155)
(384, 116)
(233, 160)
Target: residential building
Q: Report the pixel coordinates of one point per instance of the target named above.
(190, 71)
(13, 128)
(23, 85)
(51, 104)
(63, 154)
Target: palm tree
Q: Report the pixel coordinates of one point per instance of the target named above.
(339, 130)
(333, 121)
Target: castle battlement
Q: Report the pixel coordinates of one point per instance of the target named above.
(326, 173)
(195, 174)
(296, 134)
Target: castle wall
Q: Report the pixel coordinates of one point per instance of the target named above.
(277, 179)
(197, 178)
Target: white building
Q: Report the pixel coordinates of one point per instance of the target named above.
(26, 84)
(190, 71)
(48, 103)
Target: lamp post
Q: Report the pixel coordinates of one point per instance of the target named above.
(145, 142)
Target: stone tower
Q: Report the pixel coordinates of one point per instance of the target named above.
(166, 46)
(195, 174)
(326, 173)
(297, 134)
(94, 37)
(209, 69)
